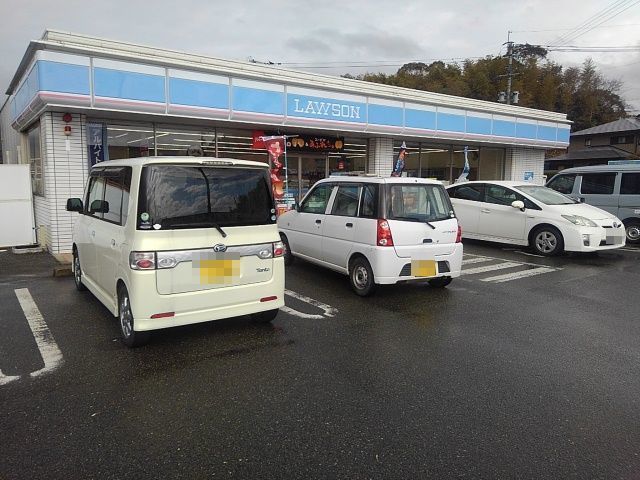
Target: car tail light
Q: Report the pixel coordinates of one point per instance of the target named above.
(459, 235)
(142, 260)
(163, 315)
(278, 249)
(385, 239)
(268, 299)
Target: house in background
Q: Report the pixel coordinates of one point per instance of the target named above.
(617, 140)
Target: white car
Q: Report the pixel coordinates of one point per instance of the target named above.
(377, 230)
(526, 214)
(171, 241)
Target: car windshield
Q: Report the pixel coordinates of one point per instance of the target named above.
(196, 196)
(418, 202)
(545, 195)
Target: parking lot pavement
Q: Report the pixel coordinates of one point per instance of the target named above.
(534, 376)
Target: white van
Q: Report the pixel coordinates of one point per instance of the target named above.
(614, 188)
(377, 230)
(168, 241)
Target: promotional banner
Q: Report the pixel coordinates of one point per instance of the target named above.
(275, 148)
(398, 166)
(95, 143)
(465, 171)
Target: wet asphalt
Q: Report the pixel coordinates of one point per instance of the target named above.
(531, 378)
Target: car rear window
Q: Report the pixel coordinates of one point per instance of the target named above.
(196, 196)
(419, 202)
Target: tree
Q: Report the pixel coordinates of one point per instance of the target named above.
(583, 93)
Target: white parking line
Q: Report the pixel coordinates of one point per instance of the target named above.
(489, 268)
(329, 311)
(4, 379)
(515, 275)
(467, 261)
(51, 354)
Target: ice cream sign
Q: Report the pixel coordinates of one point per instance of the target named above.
(323, 108)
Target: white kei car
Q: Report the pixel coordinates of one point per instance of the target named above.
(377, 230)
(522, 213)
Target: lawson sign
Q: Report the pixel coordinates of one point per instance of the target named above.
(326, 109)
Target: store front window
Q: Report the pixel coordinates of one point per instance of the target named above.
(446, 162)
(35, 160)
(173, 141)
(129, 140)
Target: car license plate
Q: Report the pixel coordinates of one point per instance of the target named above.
(424, 268)
(217, 268)
(614, 239)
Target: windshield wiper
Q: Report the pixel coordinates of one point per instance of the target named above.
(199, 224)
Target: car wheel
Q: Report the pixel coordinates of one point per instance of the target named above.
(632, 229)
(440, 282)
(77, 272)
(361, 277)
(288, 257)
(130, 337)
(547, 241)
(265, 317)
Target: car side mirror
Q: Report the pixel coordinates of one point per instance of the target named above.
(519, 204)
(74, 205)
(99, 206)
(296, 206)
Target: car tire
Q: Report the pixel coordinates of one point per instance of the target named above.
(265, 317)
(440, 282)
(77, 272)
(361, 277)
(547, 241)
(632, 230)
(288, 257)
(130, 337)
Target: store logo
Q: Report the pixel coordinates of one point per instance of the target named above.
(327, 109)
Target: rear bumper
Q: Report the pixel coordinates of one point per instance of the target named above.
(204, 305)
(388, 266)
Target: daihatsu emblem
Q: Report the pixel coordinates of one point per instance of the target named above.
(220, 248)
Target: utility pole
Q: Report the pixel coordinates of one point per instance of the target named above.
(510, 97)
(510, 67)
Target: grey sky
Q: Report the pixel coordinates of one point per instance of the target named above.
(330, 30)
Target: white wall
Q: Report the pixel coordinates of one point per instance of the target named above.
(66, 172)
(522, 159)
(380, 157)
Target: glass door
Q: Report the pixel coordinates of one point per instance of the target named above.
(312, 169)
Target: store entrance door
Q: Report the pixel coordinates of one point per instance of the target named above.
(304, 172)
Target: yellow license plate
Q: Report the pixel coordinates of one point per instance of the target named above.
(424, 268)
(218, 271)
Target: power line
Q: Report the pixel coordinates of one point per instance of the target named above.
(568, 29)
(613, 10)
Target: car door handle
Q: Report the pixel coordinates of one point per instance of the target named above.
(318, 222)
(484, 210)
(348, 225)
(113, 242)
(93, 233)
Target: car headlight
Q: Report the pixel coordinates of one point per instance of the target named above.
(581, 221)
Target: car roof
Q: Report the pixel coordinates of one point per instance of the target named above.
(601, 168)
(368, 178)
(209, 161)
(504, 183)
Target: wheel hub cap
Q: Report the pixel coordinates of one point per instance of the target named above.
(360, 277)
(633, 232)
(126, 319)
(546, 242)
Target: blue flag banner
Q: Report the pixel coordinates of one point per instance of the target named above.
(465, 171)
(398, 166)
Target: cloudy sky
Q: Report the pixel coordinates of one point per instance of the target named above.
(333, 36)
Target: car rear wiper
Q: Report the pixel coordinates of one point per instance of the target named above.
(414, 219)
(199, 224)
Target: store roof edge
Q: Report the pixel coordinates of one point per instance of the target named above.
(89, 45)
